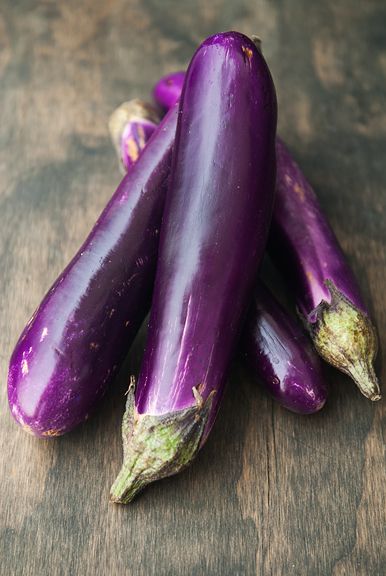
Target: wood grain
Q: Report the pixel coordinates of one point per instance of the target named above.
(272, 493)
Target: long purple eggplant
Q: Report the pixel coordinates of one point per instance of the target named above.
(327, 294)
(76, 340)
(131, 126)
(213, 235)
(306, 249)
(282, 357)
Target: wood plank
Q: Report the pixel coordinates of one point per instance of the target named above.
(272, 492)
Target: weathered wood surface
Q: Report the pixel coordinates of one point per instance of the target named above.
(272, 493)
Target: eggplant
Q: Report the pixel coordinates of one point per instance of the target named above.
(328, 298)
(72, 347)
(131, 126)
(213, 235)
(327, 294)
(168, 89)
(282, 356)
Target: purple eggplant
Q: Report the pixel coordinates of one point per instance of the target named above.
(213, 235)
(131, 126)
(282, 357)
(327, 294)
(73, 345)
(328, 297)
(168, 89)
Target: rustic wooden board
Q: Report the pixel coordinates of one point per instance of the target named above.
(272, 493)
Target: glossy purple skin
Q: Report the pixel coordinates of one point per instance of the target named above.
(168, 89)
(303, 242)
(309, 251)
(133, 140)
(282, 356)
(215, 224)
(75, 342)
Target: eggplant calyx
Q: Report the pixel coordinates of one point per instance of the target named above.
(345, 337)
(155, 447)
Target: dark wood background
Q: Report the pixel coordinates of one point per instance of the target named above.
(272, 493)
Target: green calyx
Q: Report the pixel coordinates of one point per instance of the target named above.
(345, 337)
(155, 447)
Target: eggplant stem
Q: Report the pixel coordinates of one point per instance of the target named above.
(364, 377)
(133, 110)
(345, 337)
(155, 447)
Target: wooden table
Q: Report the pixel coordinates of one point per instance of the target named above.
(272, 493)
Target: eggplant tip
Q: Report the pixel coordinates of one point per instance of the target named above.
(345, 338)
(364, 377)
(156, 447)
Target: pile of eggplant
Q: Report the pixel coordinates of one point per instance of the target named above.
(207, 190)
